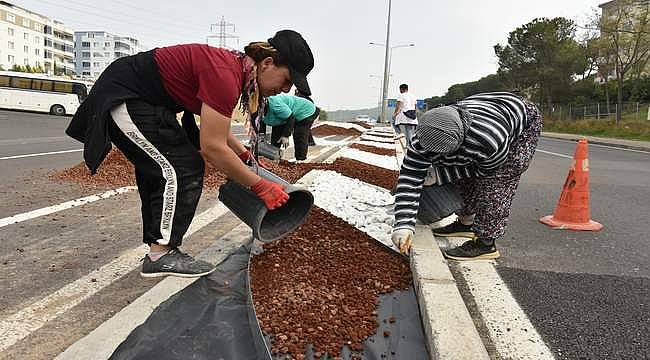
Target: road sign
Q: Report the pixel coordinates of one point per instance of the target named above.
(420, 104)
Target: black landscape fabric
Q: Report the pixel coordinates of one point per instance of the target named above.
(213, 318)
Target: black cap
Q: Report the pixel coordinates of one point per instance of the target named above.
(295, 51)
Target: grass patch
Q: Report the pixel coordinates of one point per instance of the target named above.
(629, 130)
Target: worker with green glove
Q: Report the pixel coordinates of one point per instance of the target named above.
(291, 115)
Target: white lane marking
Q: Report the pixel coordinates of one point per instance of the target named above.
(512, 333)
(101, 342)
(40, 154)
(34, 140)
(63, 206)
(556, 154)
(600, 145)
(19, 325)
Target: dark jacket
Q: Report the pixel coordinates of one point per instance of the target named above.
(131, 77)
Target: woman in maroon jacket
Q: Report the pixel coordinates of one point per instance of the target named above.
(134, 105)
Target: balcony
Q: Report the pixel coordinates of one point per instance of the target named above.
(63, 36)
(63, 47)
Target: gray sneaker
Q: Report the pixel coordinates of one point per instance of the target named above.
(175, 263)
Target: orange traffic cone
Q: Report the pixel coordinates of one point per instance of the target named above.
(572, 211)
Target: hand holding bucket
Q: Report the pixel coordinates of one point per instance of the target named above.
(268, 222)
(271, 193)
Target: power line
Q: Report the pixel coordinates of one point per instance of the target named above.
(149, 11)
(103, 16)
(185, 26)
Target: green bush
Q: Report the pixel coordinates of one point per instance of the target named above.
(628, 129)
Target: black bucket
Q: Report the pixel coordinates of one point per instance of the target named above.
(438, 201)
(269, 151)
(268, 225)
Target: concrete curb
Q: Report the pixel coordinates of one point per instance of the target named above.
(619, 143)
(449, 330)
(103, 340)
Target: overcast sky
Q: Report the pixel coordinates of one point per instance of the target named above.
(453, 39)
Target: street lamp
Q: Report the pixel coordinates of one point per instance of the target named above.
(387, 64)
(381, 91)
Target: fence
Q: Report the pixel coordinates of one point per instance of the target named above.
(631, 111)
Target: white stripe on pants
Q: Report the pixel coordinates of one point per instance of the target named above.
(123, 121)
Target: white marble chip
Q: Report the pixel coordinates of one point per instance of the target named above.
(366, 207)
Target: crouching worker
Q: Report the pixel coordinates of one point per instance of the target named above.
(287, 115)
(134, 104)
(483, 144)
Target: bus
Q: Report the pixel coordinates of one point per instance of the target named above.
(40, 93)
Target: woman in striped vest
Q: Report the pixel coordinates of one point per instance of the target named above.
(483, 144)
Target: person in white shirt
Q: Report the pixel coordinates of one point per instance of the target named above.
(404, 115)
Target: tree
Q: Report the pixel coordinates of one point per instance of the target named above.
(323, 115)
(542, 57)
(625, 27)
(493, 82)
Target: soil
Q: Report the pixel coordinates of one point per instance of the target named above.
(351, 168)
(327, 130)
(117, 171)
(373, 149)
(320, 286)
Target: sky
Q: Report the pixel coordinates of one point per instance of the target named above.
(453, 40)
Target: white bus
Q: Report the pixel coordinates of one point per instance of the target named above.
(42, 93)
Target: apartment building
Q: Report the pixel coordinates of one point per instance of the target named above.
(628, 15)
(95, 50)
(29, 38)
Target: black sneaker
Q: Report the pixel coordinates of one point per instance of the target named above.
(455, 229)
(473, 250)
(175, 263)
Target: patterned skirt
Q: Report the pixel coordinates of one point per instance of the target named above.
(489, 198)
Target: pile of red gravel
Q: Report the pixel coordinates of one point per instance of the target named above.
(373, 149)
(383, 140)
(320, 286)
(351, 168)
(383, 135)
(327, 130)
(117, 171)
(362, 124)
(213, 178)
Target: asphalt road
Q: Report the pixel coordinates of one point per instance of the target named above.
(44, 254)
(588, 294)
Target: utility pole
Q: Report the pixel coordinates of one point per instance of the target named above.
(219, 29)
(384, 94)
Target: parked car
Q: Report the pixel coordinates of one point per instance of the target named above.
(365, 119)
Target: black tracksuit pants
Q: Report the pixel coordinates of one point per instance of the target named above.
(168, 168)
(301, 135)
